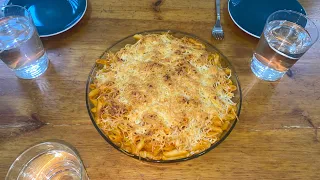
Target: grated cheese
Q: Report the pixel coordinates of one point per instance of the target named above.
(166, 92)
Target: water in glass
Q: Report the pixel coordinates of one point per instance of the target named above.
(281, 45)
(53, 165)
(21, 47)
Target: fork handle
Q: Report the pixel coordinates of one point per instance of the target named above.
(218, 9)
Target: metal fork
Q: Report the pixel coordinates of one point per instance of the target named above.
(217, 30)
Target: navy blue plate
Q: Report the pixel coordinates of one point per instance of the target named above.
(251, 15)
(53, 17)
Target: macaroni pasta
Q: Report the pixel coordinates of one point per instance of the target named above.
(163, 97)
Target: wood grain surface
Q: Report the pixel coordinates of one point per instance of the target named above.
(277, 136)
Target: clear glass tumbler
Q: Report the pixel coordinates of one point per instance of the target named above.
(286, 37)
(48, 161)
(20, 46)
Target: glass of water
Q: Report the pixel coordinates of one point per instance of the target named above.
(48, 161)
(20, 46)
(286, 37)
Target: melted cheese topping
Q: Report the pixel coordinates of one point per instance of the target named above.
(166, 92)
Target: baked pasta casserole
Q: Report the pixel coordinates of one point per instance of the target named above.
(163, 97)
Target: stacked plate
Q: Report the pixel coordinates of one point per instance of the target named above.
(251, 15)
(53, 17)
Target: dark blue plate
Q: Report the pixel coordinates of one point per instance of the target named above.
(251, 15)
(53, 17)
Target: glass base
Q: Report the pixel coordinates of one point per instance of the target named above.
(264, 72)
(33, 70)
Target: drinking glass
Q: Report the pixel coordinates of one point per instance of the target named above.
(20, 46)
(286, 37)
(48, 161)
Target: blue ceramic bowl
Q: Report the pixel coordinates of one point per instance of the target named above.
(53, 17)
(251, 15)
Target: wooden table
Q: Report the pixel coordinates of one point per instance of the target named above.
(277, 136)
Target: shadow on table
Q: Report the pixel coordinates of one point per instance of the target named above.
(39, 93)
(260, 101)
(54, 96)
(11, 126)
